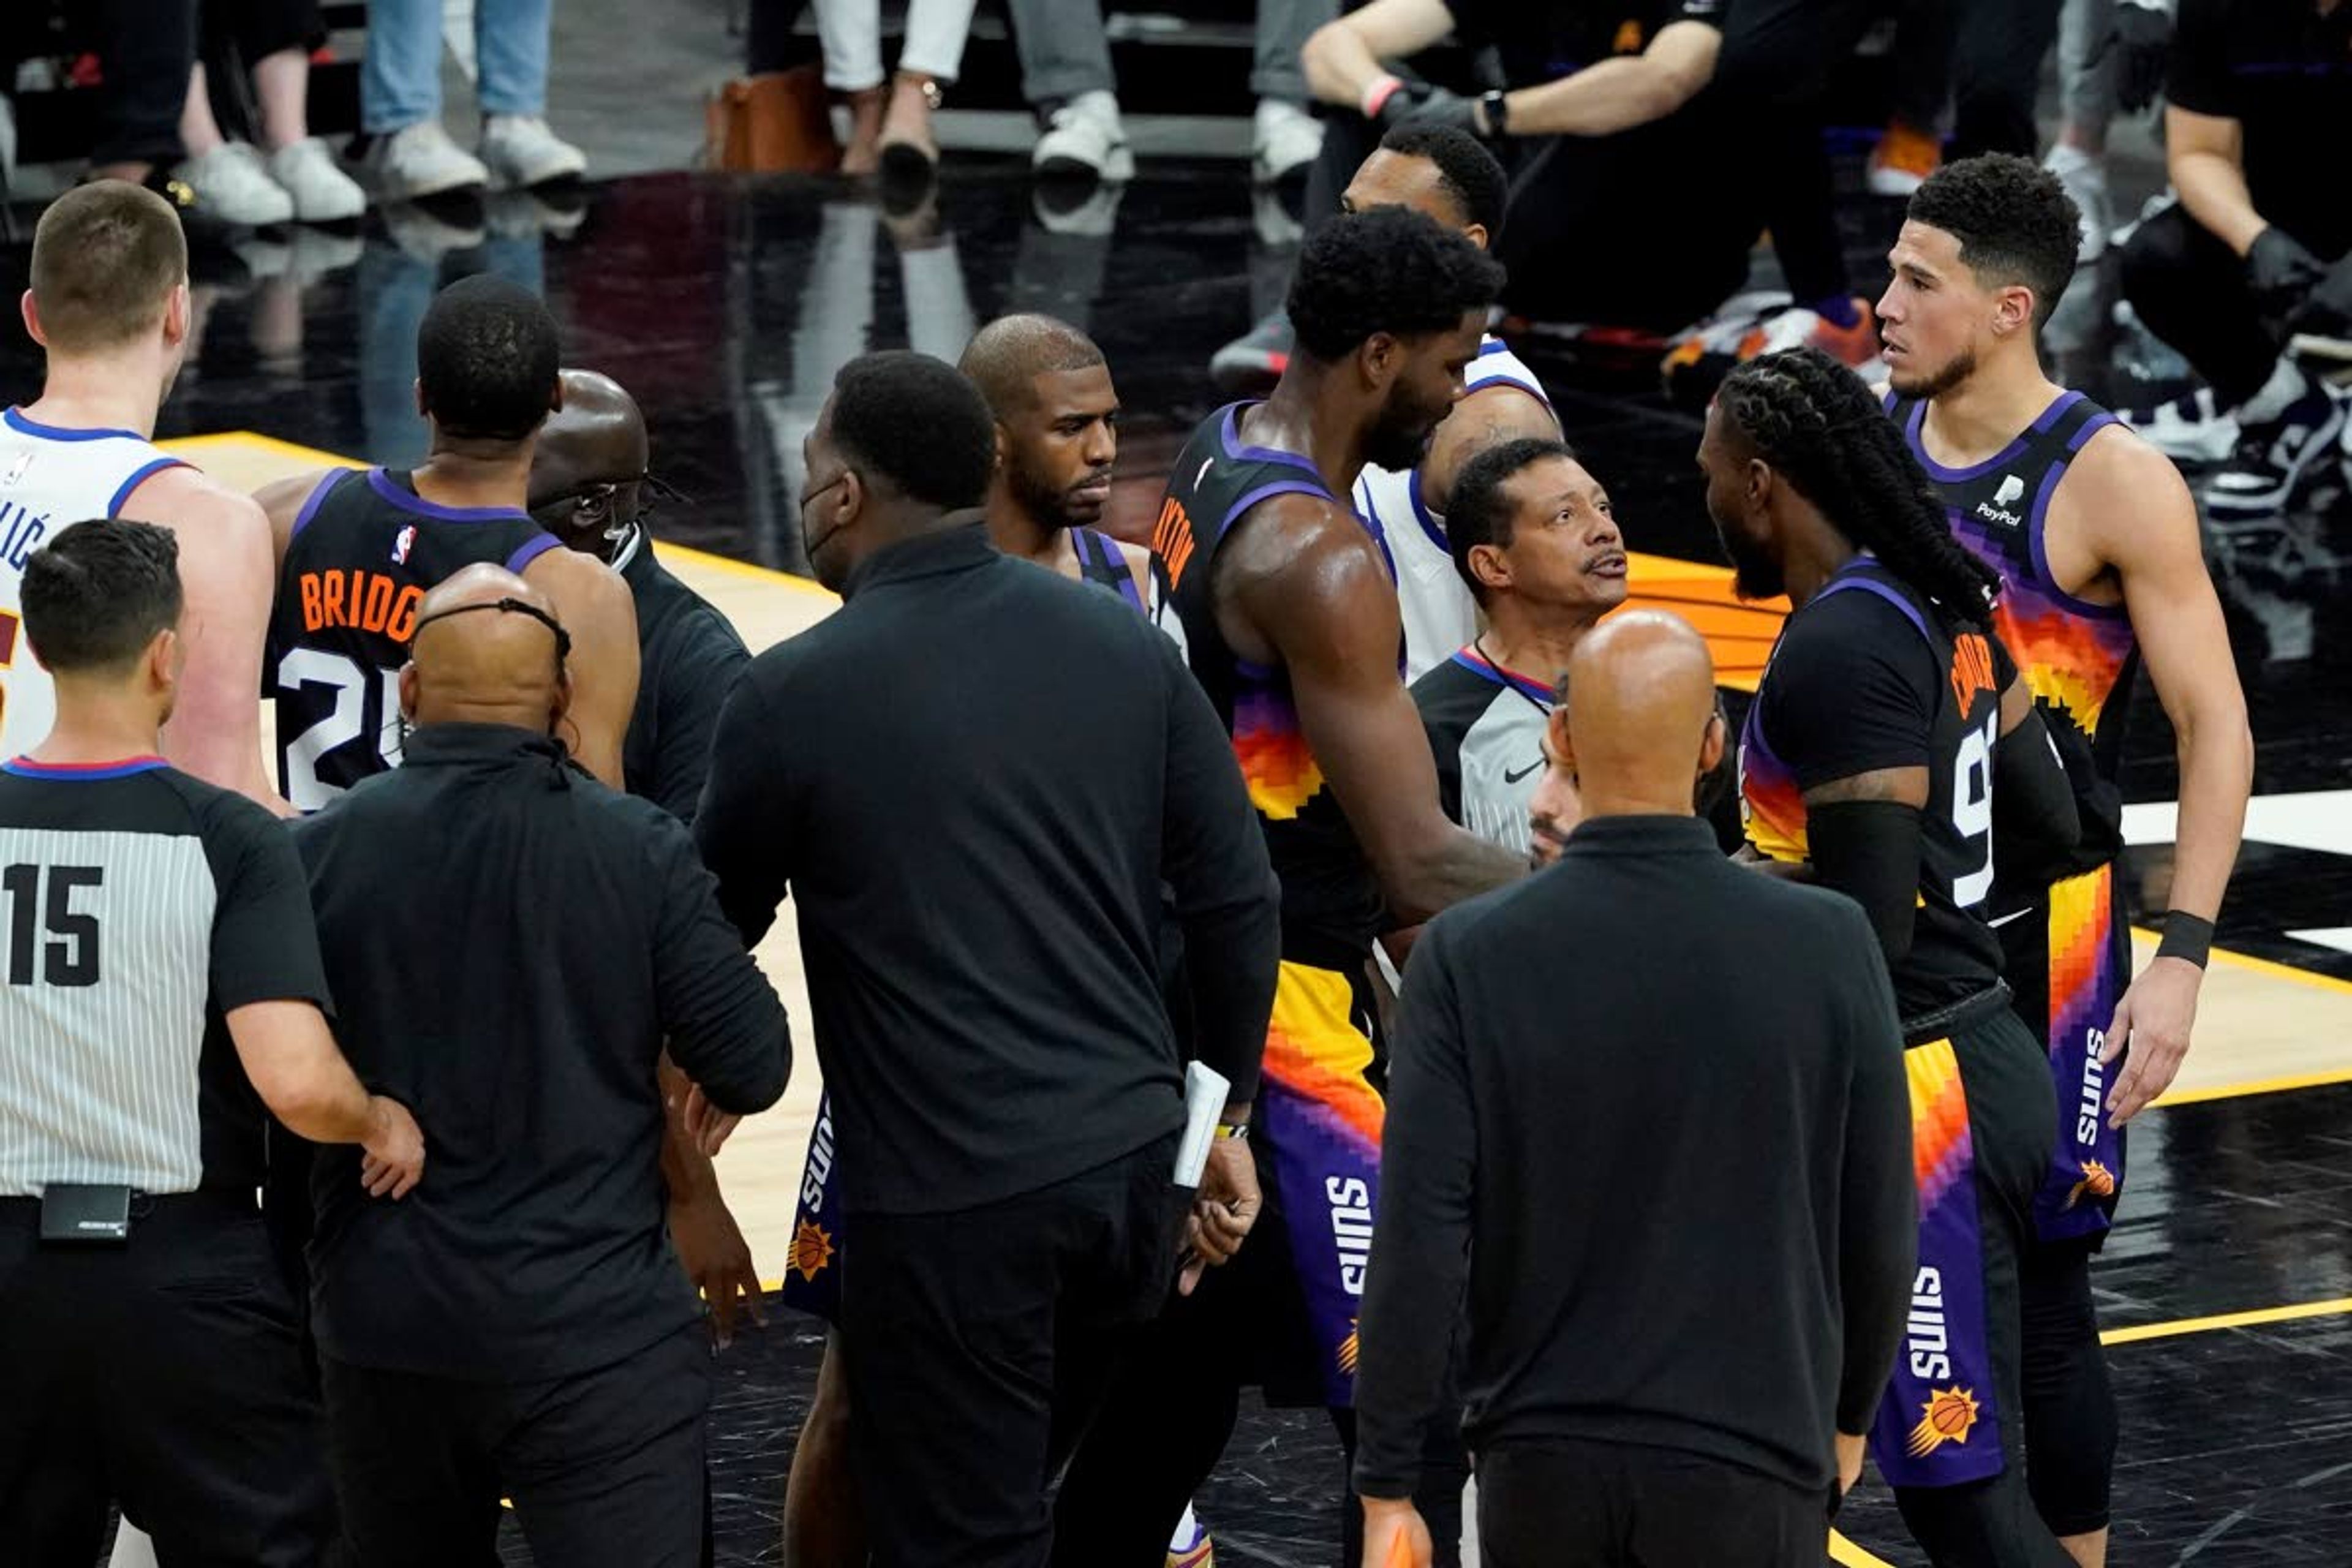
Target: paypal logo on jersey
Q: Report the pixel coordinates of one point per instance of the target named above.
(2012, 491)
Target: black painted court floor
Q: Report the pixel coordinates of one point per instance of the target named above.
(725, 304)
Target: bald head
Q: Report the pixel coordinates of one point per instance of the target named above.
(596, 440)
(1005, 358)
(479, 658)
(1640, 711)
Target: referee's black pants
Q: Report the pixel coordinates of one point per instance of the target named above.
(1569, 1504)
(606, 1467)
(165, 1376)
(979, 1344)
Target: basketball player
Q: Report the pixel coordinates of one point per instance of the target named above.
(1535, 539)
(108, 303)
(357, 550)
(1291, 625)
(1875, 750)
(1056, 438)
(1449, 175)
(2096, 540)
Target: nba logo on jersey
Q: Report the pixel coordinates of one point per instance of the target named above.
(2011, 490)
(16, 469)
(402, 545)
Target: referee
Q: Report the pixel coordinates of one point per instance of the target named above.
(163, 986)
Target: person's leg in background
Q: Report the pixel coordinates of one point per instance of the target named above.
(851, 33)
(1927, 35)
(929, 58)
(1997, 75)
(510, 41)
(1770, 82)
(2191, 290)
(2070, 1403)
(1285, 136)
(1066, 74)
(290, 175)
(149, 47)
(276, 38)
(410, 156)
(2087, 59)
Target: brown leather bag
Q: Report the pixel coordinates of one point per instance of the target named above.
(773, 122)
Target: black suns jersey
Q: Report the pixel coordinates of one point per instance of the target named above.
(1869, 675)
(365, 548)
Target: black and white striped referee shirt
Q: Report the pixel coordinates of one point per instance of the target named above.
(138, 906)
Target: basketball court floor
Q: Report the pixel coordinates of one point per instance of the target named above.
(726, 305)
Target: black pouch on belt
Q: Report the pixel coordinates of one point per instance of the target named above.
(82, 1216)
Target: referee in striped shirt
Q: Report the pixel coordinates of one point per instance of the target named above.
(160, 986)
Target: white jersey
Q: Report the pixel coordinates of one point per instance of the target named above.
(1440, 615)
(51, 478)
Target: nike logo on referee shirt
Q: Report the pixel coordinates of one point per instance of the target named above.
(1511, 778)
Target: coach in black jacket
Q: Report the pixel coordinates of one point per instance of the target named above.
(974, 778)
(1649, 1108)
(509, 942)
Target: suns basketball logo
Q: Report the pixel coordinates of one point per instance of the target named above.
(2097, 1182)
(1949, 1416)
(1349, 1349)
(402, 545)
(811, 1250)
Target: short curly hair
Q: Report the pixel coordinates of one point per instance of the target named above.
(1390, 270)
(917, 423)
(2014, 221)
(1471, 175)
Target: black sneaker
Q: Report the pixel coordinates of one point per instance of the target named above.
(2273, 456)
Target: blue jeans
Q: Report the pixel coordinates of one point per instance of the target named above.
(400, 76)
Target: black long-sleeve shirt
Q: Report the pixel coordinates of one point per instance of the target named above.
(509, 942)
(1649, 1106)
(974, 778)
(688, 657)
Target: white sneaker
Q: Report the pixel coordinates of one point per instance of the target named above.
(2189, 430)
(1086, 140)
(232, 184)
(419, 161)
(523, 152)
(2085, 179)
(322, 193)
(1284, 141)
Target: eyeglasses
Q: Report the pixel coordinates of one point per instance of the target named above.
(595, 507)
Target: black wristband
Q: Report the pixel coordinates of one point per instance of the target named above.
(2186, 936)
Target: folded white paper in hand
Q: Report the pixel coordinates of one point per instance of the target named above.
(1204, 1101)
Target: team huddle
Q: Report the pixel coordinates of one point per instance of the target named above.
(1378, 579)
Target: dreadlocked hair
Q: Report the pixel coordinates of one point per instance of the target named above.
(1818, 425)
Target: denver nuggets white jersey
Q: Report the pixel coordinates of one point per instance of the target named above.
(51, 478)
(1439, 613)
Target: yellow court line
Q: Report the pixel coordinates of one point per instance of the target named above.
(2171, 1098)
(2259, 1316)
(2266, 966)
(1846, 1552)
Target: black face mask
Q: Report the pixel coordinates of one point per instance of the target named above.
(505, 606)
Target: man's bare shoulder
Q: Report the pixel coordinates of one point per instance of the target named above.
(187, 499)
(2125, 496)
